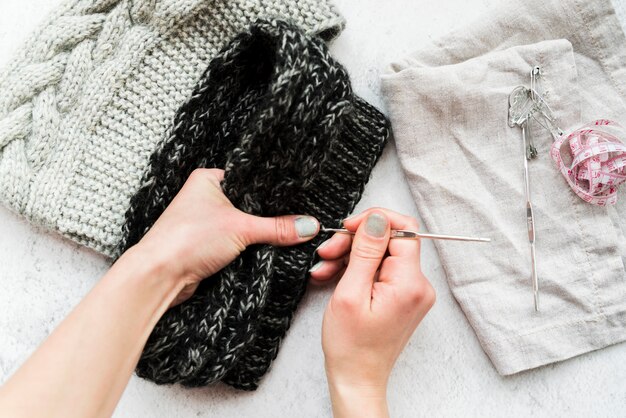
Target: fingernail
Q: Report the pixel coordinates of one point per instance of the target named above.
(316, 266)
(376, 225)
(323, 244)
(306, 226)
(350, 217)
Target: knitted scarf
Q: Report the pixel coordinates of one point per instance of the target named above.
(277, 112)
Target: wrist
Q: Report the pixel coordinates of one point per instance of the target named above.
(153, 263)
(160, 279)
(358, 399)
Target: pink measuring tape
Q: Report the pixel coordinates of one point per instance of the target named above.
(597, 161)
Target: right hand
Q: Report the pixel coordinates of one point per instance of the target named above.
(380, 299)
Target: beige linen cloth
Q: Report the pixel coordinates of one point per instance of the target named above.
(448, 105)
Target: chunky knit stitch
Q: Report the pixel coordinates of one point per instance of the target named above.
(278, 113)
(88, 99)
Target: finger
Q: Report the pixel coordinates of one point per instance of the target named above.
(280, 230)
(399, 247)
(217, 173)
(400, 271)
(368, 249)
(214, 175)
(396, 220)
(339, 274)
(328, 269)
(335, 247)
(409, 299)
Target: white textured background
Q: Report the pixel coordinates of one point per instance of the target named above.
(443, 371)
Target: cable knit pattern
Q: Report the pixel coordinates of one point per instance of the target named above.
(278, 113)
(86, 102)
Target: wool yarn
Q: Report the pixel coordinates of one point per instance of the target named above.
(88, 99)
(277, 112)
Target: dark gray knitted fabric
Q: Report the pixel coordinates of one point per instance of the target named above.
(277, 112)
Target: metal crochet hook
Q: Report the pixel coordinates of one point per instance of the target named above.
(517, 117)
(530, 223)
(401, 233)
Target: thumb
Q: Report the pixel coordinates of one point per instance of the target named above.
(368, 249)
(280, 230)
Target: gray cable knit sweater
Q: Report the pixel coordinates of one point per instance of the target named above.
(90, 96)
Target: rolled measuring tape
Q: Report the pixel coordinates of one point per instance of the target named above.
(595, 165)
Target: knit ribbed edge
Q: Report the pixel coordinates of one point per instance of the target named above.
(363, 141)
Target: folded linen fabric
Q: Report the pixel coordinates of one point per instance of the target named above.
(448, 104)
(277, 111)
(87, 100)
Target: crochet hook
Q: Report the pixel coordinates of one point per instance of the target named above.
(530, 223)
(523, 103)
(401, 233)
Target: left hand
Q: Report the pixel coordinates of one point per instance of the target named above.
(201, 232)
(84, 365)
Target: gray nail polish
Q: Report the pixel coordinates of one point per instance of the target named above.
(306, 226)
(376, 225)
(316, 266)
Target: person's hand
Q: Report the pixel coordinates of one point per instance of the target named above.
(198, 234)
(380, 299)
(201, 232)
